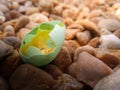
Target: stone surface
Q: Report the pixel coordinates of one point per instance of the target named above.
(53, 70)
(111, 82)
(5, 50)
(85, 48)
(28, 77)
(63, 59)
(13, 41)
(23, 20)
(67, 82)
(3, 84)
(89, 69)
(109, 24)
(9, 64)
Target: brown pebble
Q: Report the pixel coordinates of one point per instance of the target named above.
(24, 20)
(30, 78)
(10, 64)
(89, 26)
(15, 14)
(5, 50)
(63, 59)
(53, 70)
(38, 18)
(110, 82)
(109, 24)
(81, 49)
(3, 84)
(110, 59)
(83, 37)
(117, 33)
(67, 82)
(94, 42)
(70, 33)
(22, 32)
(71, 45)
(32, 10)
(89, 69)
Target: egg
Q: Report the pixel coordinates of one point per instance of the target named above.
(40, 46)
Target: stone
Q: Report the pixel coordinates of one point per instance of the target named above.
(10, 29)
(5, 50)
(70, 33)
(10, 63)
(110, 41)
(117, 33)
(90, 26)
(89, 69)
(22, 32)
(63, 59)
(85, 48)
(83, 37)
(71, 45)
(23, 20)
(2, 17)
(109, 24)
(32, 10)
(29, 77)
(38, 18)
(67, 82)
(53, 70)
(110, 82)
(110, 59)
(3, 84)
(13, 41)
(94, 42)
(3, 8)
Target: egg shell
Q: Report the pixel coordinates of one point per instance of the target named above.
(33, 54)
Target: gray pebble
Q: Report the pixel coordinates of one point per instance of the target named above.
(5, 50)
(13, 41)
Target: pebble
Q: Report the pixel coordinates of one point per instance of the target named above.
(117, 33)
(30, 78)
(3, 8)
(22, 32)
(32, 10)
(2, 17)
(10, 29)
(83, 37)
(89, 69)
(109, 41)
(110, 59)
(71, 45)
(3, 84)
(15, 14)
(81, 49)
(38, 18)
(70, 33)
(88, 25)
(13, 41)
(23, 20)
(63, 59)
(5, 50)
(109, 24)
(53, 70)
(110, 82)
(104, 32)
(94, 42)
(10, 63)
(67, 82)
